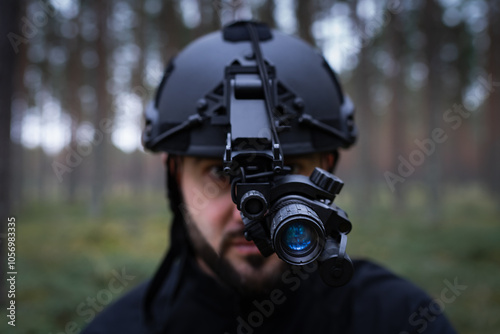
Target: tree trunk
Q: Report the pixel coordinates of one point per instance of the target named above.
(305, 18)
(70, 103)
(396, 110)
(491, 161)
(365, 121)
(17, 193)
(210, 19)
(138, 162)
(102, 115)
(432, 28)
(9, 20)
(173, 30)
(266, 13)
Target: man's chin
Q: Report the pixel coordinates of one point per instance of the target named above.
(254, 274)
(238, 264)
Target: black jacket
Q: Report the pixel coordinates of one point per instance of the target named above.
(374, 301)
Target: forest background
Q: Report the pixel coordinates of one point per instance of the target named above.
(422, 184)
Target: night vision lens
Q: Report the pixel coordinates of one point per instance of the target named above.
(297, 233)
(297, 236)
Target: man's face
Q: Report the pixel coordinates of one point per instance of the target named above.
(216, 228)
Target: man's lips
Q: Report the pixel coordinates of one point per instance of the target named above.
(243, 246)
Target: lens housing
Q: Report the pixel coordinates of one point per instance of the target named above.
(297, 233)
(253, 204)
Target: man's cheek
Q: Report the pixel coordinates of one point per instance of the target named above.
(209, 232)
(197, 203)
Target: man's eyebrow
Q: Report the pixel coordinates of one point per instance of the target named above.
(200, 160)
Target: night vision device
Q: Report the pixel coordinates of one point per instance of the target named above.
(292, 215)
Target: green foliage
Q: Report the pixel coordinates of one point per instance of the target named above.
(65, 257)
(463, 244)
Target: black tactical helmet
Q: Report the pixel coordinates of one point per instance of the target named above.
(189, 115)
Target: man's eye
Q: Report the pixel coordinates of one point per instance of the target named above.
(217, 173)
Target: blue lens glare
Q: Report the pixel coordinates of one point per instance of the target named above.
(297, 236)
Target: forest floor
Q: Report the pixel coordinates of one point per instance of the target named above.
(67, 260)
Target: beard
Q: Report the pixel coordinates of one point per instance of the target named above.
(260, 276)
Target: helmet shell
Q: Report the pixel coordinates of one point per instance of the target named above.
(200, 68)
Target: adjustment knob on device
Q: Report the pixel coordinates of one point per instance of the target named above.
(326, 181)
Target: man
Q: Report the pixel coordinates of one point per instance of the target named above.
(245, 107)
